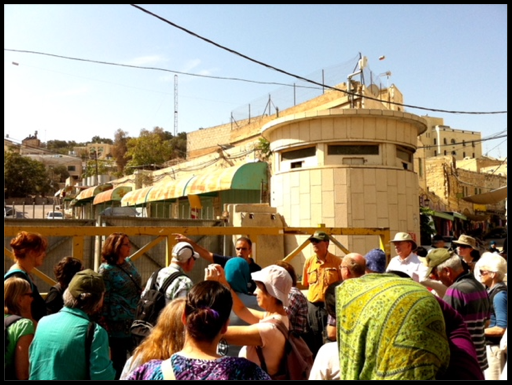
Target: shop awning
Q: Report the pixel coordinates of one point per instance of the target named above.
(114, 194)
(89, 194)
(491, 197)
(459, 215)
(170, 190)
(249, 176)
(136, 197)
(441, 214)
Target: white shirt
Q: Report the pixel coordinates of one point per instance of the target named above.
(327, 363)
(408, 265)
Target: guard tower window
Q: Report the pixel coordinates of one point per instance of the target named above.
(353, 150)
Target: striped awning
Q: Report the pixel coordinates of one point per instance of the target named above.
(170, 190)
(91, 192)
(249, 176)
(136, 197)
(114, 194)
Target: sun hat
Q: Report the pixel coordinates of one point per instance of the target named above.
(238, 274)
(183, 251)
(404, 237)
(376, 261)
(319, 236)
(435, 258)
(277, 281)
(86, 281)
(466, 240)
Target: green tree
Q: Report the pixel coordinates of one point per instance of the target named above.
(119, 150)
(24, 176)
(150, 149)
(61, 172)
(97, 139)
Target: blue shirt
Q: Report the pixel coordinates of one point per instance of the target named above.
(58, 349)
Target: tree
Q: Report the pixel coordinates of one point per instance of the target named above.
(148, 150)
(62, 173)
(97, 139)
(24, 176)
(119, 150)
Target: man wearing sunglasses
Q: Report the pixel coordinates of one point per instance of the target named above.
(464, 247)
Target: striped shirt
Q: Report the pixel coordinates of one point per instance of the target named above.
(469, 297)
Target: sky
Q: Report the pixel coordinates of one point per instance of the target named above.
(72, 72)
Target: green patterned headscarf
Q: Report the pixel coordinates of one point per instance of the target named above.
(389, 328)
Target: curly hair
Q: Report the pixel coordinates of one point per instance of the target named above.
(65, 269)
(111, 247)
(24, 242)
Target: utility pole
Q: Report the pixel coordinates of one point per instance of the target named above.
(175, 105)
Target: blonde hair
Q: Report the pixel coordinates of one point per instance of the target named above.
(167, 337)
(14, 289)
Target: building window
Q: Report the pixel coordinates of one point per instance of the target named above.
(463, 143)
(435, 141)
(453, 141)
(435, 153)
(445, 152)
(71, 168)
(444, 141)
(404, 154)
(464, 154)
(353, 150)
(454, 153)
(473, 144)
(473, 155)
(297, 154)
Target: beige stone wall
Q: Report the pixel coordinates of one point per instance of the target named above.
(378, 193)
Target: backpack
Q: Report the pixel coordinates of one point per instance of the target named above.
(8, 321)
(149, 307)
(297, 361)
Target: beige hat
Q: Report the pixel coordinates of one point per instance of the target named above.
(404, 237)
(466, 240)
(277, 281)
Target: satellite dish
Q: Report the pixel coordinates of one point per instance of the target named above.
(374, 89)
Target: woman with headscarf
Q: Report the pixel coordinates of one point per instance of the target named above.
(390, 328)
(238, 275)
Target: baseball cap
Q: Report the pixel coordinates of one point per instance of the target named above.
(404, 237)
(183, 251)
(466, 240)
(435, 258)
(86, 281)
(277, 281)
(492, 242)
(376, 261)
(319, 236)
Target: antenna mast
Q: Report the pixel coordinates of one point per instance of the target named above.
(175, 105)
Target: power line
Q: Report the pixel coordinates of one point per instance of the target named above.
(320, 85)
(300, 77)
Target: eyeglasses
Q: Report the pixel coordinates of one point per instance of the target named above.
(241, 248)
(483, 272)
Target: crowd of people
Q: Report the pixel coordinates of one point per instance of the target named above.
(438, 314)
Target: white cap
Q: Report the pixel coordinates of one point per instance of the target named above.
(183, 251)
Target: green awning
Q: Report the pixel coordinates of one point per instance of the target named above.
(460, 216)
(443, 215)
